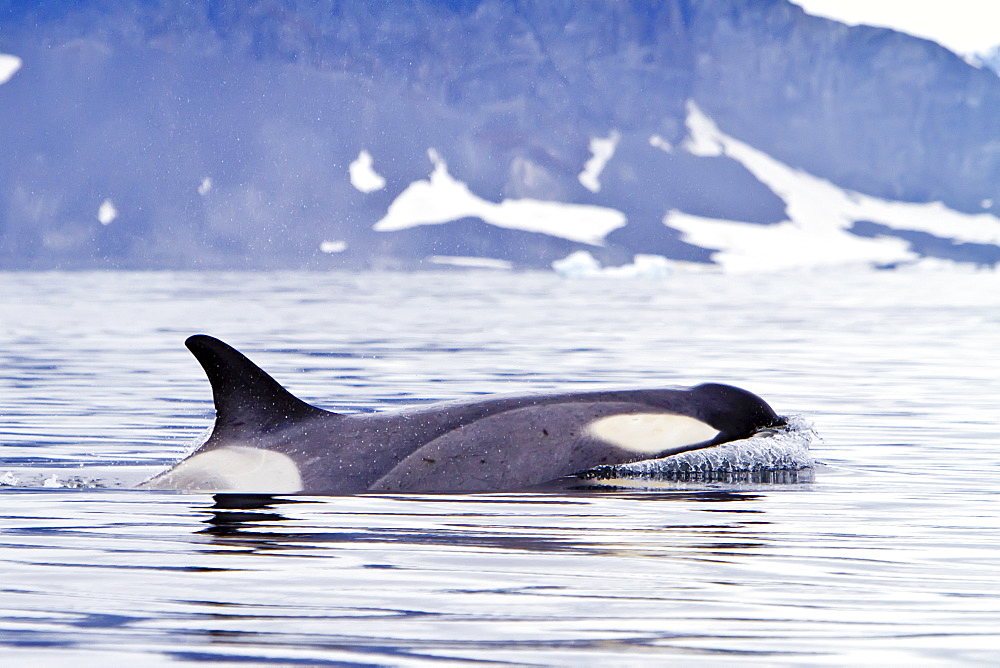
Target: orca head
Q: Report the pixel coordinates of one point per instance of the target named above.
(736, 413)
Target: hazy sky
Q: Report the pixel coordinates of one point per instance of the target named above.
(964, 26)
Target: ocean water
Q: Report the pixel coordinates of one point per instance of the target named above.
(887, 552)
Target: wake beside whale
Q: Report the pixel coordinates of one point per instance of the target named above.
(267, 441)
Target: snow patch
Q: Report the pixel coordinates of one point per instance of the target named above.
(333, 246)
(788, 245)
(819, 216)
(602, 150)
(107, 212)
(442, 199)
(363, 175)
(703, 138)
(656, 141)
(932, 217)
(9, 65)
(581, 264)
(470, 262)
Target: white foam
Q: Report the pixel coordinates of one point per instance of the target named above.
(781, 449)
(363, 174)
(96, 477)
(442, 199)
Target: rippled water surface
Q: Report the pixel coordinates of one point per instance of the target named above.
(890, 554)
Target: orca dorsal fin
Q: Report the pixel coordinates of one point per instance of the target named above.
(247, 399)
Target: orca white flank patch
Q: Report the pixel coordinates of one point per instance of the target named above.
(651, 433)
(234, 468)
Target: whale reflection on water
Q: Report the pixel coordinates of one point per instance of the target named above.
(275, 524)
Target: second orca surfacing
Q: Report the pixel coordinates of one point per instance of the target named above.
(267, 441)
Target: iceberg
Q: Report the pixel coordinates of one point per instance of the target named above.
(581, 264)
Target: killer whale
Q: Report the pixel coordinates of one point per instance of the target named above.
(267, 441)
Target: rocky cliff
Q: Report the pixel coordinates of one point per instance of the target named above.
(164, 133)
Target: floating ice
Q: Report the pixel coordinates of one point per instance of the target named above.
(581, 264)
(206, 186)
(767, 456)
(578, 264)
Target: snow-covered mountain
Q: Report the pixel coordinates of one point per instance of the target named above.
(989, 58)
(160, 133)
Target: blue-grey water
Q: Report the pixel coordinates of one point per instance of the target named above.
(890, 555)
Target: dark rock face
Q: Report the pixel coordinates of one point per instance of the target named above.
(222, 132)
(871, 109)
